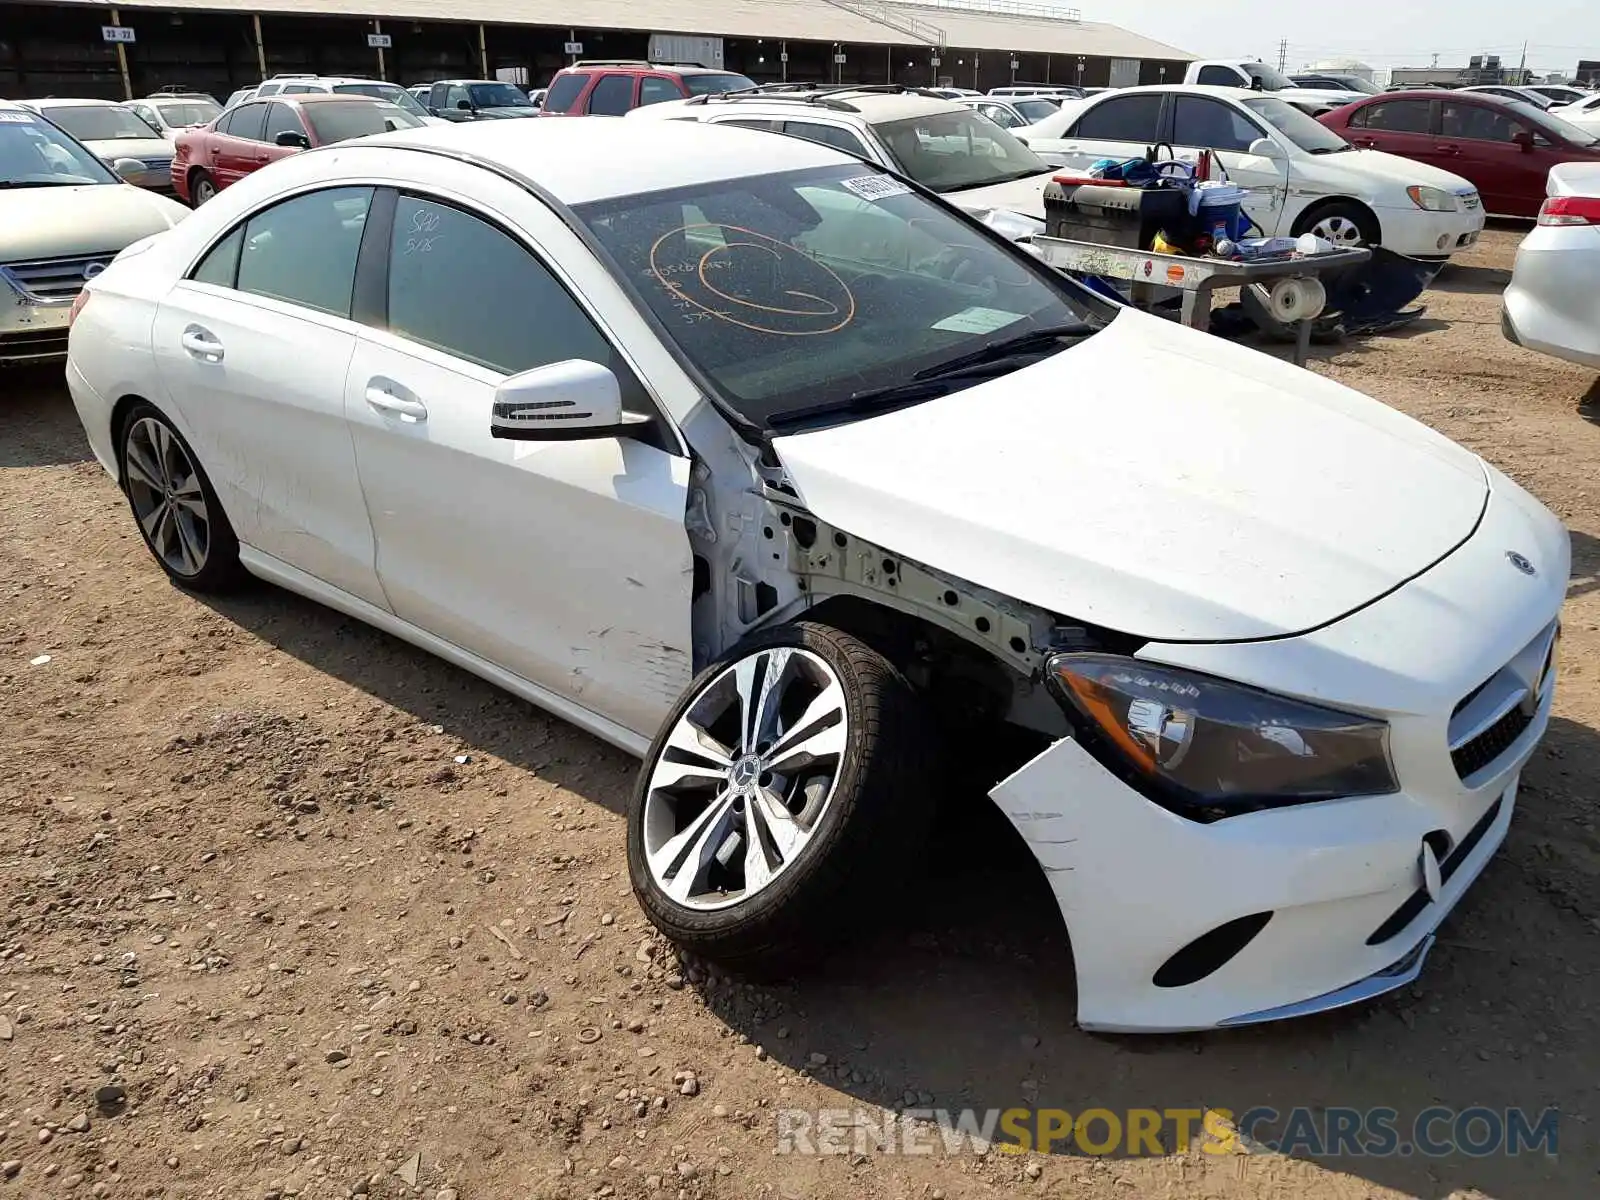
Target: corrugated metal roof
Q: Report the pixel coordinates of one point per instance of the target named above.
(802, 20)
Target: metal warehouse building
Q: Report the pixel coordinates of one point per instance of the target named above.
(78, 48)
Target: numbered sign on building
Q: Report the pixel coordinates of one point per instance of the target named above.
(116, 33)
(379, 41)
(574, 48)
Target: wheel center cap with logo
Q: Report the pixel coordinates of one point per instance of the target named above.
(746, 771)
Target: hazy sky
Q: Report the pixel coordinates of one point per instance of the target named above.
(1384, 33)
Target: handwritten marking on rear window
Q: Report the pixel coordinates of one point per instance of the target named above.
(761, 284)
(423, 232)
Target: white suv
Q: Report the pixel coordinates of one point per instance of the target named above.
(942, 144)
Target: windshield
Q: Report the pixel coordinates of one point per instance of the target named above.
(391, 92)
(807, 288)
(34, 153)
(1551, 125)
(498, 95)
(950, 151)
(339, 121)
(1306, 132)
(1355, 83)
(1034, 110)
(97, 123)
(707, 85)
(180, 113)
(1270, 80)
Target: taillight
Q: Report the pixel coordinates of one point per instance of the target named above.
(78, 303)
(1570, 210)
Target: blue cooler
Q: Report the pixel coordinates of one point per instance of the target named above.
(1219, 210)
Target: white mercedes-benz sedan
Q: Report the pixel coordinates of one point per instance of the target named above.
(766, 465)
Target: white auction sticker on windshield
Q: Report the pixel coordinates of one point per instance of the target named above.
(875, 187)
(978, 320)
(12, 117)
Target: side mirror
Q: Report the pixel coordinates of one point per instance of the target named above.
(464, 105)
(1524, 139)
(1266, 148)
(289, 137)
(563, 402)
(432, 111)
(1020, 138)
(128, 168)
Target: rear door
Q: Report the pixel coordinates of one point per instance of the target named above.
(612, 95)
(1117, 127)
(658, 89)
(1403, 127)
(253, 347)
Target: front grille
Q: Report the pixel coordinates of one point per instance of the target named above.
(1418, 900)
(30, 345)
(1471, 203)
(54, 280)
(1490, 720)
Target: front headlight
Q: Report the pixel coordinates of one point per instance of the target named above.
(1203, 745)
(1433, 199)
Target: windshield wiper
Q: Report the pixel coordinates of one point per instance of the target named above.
(1332, 149)
(936, 380)
(1021, 343)
(20, 183)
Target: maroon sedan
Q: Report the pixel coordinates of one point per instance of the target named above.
(1505, 147)
(250, 135)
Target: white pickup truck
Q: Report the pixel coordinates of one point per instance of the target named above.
(1258, 77)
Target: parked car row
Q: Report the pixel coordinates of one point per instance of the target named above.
(773, 516)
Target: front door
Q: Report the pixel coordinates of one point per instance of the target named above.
(1480, 142)
(1203, 123)
(253, 348)
(564, 562)
(239, 149)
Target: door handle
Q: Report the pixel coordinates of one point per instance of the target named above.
(201, 344)
(388, 402)
(1451, 150)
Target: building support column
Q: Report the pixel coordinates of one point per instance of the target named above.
(122, 60)
(483, 52)
(261, 47)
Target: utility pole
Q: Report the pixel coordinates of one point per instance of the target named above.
(1283, 54)
(1522, 67)
(1436, 62)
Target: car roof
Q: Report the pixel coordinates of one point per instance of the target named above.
(561, 155)
(873, 107)
(318, 98)
(1442, 93)
(70, 102)
(659, 68)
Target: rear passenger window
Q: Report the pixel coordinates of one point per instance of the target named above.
(303, 251)
(1397, 116)
(828, 135)
(246, 121)
(564, 89)
(1124, 119)
(653, 89)
(220, 266)
(1204, 122)
(612, 96)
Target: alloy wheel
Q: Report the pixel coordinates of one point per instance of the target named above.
(1340, 230)
(745, 777)
(167, 498)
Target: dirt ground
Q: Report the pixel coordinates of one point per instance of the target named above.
(333, 918)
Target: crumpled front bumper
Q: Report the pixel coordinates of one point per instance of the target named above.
(1351, 890)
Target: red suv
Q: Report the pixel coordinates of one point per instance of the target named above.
(1505, 147)
(610, 88)
(249, 136)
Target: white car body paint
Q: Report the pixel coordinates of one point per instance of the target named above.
(1553, 301)
(1170, 501)
(1220, 460)
(1282, 190)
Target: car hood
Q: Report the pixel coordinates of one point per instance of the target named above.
(508, 112)
(1389, 170)
(1574, 179)
(59, 222)
(1156, 481)
(1019, 195)
(141, 148)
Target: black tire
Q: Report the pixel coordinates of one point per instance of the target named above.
(201, 188)
(866, 843)
(1346, 211)
(219, 569)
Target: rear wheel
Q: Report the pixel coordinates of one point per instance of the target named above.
(201, 188)
(787, 789)
(177, 511)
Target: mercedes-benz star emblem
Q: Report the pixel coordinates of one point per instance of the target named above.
(1520, 563)
(745, 771)
(92, 270)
